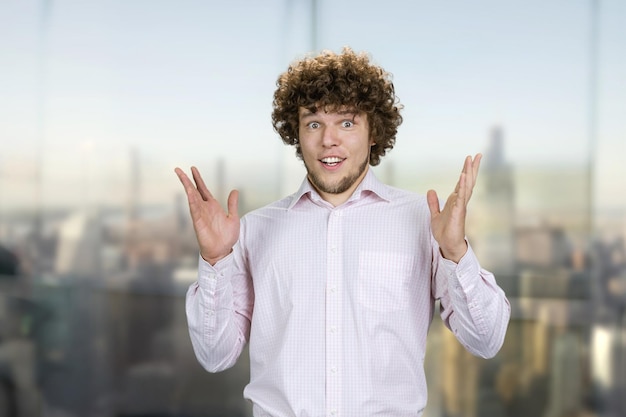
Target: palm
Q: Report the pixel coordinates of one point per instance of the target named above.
(216, 230)
(448, 224)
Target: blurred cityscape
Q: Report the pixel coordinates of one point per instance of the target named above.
(92, 318)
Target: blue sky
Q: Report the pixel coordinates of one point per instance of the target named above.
(191, 82)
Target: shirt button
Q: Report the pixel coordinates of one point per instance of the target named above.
(333, 249)
(333, 370)
(333, 412)
(333, 329)
(332, 290)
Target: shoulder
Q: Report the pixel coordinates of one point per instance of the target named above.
(392, 194)
(272, 209)
(404, 198)
(271, 213)
(402, 207)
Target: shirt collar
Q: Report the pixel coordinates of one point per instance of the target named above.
(370, 185)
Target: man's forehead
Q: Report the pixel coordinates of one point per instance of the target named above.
(339, 109)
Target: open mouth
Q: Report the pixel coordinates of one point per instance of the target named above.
(331, 161)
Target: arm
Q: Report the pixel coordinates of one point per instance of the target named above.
(219, 304)
(219, 312)
(473, 306)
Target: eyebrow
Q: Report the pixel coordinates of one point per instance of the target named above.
(306, 113)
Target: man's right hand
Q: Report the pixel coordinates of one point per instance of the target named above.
(216, 231)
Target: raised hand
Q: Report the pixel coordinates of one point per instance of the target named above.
(216, 231)
(448, 224)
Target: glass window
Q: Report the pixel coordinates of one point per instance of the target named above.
(100, 100)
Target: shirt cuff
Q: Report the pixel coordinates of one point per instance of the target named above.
(208, 274)
(464, 273)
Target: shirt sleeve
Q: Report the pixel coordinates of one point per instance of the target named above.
(219, 311)
(472, 304)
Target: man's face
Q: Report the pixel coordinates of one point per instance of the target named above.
(335, 149)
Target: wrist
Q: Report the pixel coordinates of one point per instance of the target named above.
(454, 254)
(212, 260)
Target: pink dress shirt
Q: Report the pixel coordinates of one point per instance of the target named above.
(336, 303)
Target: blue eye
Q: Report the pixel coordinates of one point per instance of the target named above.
(314, 125)
(347, 123)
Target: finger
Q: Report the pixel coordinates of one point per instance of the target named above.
(233, 199)
(467, 163)
(462, 193)
(202, 188)
(457, 186)
(465, 169)
(471, 171)
(472, 174)
(433, 202)
(476, 165)
(184, 179)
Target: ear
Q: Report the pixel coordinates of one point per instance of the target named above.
(372, 143)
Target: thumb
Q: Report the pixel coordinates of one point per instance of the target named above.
(433, 202)
(233, 199)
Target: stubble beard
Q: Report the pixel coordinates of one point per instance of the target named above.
(339, 187)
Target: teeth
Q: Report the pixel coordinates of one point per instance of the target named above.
(332, 160)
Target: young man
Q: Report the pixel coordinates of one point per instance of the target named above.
(334, 286)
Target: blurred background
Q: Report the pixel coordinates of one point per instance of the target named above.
(100, 100)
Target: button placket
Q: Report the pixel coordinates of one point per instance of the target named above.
(334, 279)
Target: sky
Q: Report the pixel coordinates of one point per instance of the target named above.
(84, 83)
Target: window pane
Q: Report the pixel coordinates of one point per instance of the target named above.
(99, 101)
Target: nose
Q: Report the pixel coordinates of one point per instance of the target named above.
(329, 137)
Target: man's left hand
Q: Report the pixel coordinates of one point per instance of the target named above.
(448, 224)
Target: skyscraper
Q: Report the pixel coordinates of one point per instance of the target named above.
(493, 239)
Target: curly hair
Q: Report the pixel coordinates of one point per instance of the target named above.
(331, 81)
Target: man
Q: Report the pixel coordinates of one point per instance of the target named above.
(334, 286)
